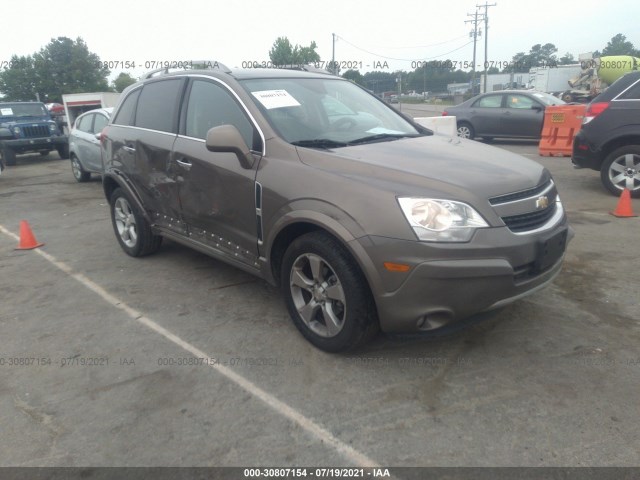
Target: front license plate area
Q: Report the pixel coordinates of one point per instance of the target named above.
(550, 250)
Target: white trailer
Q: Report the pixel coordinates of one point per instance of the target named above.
(76, 104)
(552, 79)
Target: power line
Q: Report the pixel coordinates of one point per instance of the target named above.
(401, 59)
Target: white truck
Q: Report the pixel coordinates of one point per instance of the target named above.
(76, 104)
(554, 80)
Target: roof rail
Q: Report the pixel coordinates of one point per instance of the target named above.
(305, 68)
(186, 65)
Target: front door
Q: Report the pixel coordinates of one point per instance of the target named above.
(217, 195)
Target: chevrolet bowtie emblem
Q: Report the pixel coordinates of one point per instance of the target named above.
(542, 202)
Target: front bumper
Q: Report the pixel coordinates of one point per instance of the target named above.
(450, 282)
(22, 145)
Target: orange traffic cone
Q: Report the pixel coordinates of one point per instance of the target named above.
(624, 208)
(27, 239)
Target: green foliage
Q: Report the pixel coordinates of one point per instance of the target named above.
(18, 82)
(539, 56)
(284, 53)
(355, 76)
(62, 66)
(122, 81)
(619, 45)
(567, 59)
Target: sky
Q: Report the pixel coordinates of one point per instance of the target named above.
(241, 32)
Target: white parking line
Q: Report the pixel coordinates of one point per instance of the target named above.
(279, 406)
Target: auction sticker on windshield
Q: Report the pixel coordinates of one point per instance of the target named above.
(6, 112)
(275, 99)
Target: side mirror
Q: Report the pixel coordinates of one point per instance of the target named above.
(5, 133)
(537, 108)
(227, 138)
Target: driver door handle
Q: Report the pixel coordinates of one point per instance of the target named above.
(184, 163)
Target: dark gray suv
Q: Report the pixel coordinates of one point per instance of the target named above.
(365, 219)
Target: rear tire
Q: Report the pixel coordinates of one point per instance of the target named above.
(621, 169)
(465, 130)
(131, 228)
(326, 294)
(78, 172)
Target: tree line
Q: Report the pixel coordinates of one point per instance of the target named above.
(68, 66)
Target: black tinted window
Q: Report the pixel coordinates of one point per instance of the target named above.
(210, 105)
(632, 93)
(128, 108)
(158, 104)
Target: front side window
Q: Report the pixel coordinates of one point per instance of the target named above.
(84, 123)
(158, 105)
(127, 110)
(521, 102)
(210, 105)
(99, 123)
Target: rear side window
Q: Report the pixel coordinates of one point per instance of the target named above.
(126, 112)
(210, 105)
(632, 93)
(158, 105)
(492, 101)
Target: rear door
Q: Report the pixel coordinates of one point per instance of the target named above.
(217, 194)
(485, 115)
(156, 127)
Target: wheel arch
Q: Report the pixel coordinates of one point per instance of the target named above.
(298, 223)
(112, 180)
(617, 142)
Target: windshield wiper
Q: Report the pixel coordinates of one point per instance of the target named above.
(382, 136)
(319, 143)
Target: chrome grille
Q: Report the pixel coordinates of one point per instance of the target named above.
(530, 221)
(529, 210)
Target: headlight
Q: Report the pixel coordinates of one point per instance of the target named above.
(52, 127)
(16, 130)
(436, 220)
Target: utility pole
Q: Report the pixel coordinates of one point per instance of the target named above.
(475, 34)
(333, 55)
(486, 39)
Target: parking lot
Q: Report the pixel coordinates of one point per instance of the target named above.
(179, 360)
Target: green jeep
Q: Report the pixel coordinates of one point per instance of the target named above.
(28, 127)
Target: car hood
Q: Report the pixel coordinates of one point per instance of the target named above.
(433, 165)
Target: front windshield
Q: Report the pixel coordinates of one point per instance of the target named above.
(316, 111)
(548, 99)
(23, 110)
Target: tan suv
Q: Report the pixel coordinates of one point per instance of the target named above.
(365, 219)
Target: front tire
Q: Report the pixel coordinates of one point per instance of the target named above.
(78, 172)
(621, 169)
(465, 130)
(132, 230)
(326, 294)
(63, 151)
(9, 156)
